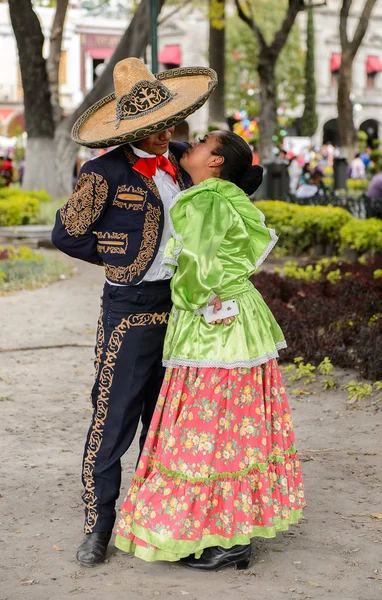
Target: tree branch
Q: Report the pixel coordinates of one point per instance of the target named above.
(250, 21)
(344, 14)
(362, 26)
(53, 60)
(294, 7)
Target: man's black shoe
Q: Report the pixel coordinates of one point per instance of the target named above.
(216, 558)
(92, 551)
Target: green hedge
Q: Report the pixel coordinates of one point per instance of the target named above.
(15, 192)
(300, 228)
(21, 207)
(18, 211)
(362, 235)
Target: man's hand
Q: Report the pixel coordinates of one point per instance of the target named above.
(217, 304)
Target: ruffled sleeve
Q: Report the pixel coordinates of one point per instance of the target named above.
(205, 222)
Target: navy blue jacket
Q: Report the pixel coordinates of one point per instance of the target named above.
(115, 215)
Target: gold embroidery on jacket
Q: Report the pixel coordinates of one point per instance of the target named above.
(115, 243)
(100, 412)
(129, 197)
(146, 250)
(85, 204)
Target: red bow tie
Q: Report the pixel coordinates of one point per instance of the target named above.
(149, 166)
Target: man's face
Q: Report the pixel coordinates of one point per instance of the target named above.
(156, 143)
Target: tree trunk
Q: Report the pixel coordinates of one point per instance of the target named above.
(268, 105)
(132, 43)
(216, 54)
(347, 132)
(53, 61)
(349, 47)
(38, 111)
(309, 120)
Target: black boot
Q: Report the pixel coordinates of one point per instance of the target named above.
(92, 551)
(217, 557)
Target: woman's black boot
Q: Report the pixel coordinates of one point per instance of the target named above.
(216, 558)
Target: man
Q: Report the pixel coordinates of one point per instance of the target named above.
(313, 187)
(118, 217)
(357, 168)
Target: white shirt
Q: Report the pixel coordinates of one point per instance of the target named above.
(167, 191)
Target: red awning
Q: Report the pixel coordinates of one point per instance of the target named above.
(335, 62)
(100, 53)
(170, 55)
(5, 113)
(373, 65)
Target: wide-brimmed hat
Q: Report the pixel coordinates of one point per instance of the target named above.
(143, 103)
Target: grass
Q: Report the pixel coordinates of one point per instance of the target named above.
(20, 275)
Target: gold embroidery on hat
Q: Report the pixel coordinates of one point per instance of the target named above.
(146, 250)
(129, 197)
(112, 242)
(144, 97)
(85, 204)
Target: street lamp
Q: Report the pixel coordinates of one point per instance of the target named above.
(154, 35)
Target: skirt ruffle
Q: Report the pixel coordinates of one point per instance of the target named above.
(219, 465)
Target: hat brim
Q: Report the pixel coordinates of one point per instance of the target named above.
(190, 86)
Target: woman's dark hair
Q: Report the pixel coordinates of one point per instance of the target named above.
(237, 166)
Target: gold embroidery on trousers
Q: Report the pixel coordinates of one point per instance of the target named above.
(100, 412)
(85, 204)
(112, 242)
(146, 250)
(99, 344)
(129, 197)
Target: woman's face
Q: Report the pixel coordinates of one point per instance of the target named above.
(199, 159)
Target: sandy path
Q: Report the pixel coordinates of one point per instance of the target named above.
(335, 553)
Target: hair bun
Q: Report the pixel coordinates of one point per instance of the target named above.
(251, 179)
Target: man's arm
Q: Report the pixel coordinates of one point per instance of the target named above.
(76, 220)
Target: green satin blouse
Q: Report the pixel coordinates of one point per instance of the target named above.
(218, 241)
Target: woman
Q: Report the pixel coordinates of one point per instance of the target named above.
(219, 465)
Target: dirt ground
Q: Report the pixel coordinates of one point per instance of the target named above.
(335, 552)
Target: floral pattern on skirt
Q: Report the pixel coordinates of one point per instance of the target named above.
(219, 465)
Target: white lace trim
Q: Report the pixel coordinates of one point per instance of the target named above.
(177, 236)
(272, 243)
(174, 362)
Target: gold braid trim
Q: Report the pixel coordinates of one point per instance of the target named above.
(100, 412)
(146, 250)
(99, 344)
(85, 204)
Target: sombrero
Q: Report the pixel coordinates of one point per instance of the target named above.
(143, 103)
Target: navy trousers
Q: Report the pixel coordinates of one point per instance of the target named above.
(129, 374)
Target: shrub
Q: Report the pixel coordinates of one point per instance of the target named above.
(340, 319)
(362, 235)
(303, 227)
(18, 210)
(21, 268)
(11, 192)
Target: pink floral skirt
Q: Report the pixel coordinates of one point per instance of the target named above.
(219, 465)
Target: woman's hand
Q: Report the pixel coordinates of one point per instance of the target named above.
(217, 304)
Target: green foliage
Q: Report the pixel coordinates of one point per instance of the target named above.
(326, 367)
(21, 207)
(357, 185)
(362, 140)
(329, 384)
(377, 274)
(22, 268)
(300, 371)
(309, 121)
(16, 192)
(47, 213)
(357, 391)
(303, 227)
(362, 235)
(18, 210)
(242, 60)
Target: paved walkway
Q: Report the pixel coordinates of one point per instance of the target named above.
(335, 553)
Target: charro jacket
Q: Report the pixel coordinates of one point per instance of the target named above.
(115, 215)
